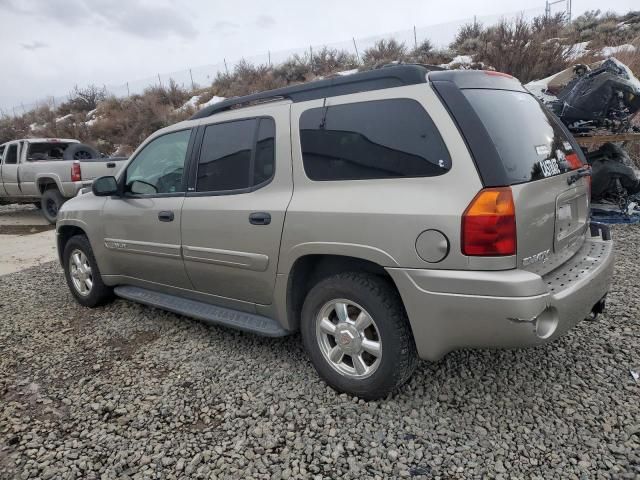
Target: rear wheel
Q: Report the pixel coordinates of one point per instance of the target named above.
(82, 273)
(51, 202)
(356, 332)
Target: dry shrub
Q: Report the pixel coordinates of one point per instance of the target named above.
(525, 50)
(82, 99)
(327, 61)
(384, 52)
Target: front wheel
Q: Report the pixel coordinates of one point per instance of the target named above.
(357, 334)
(82, 273)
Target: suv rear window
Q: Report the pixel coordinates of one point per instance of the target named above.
(369, 140)
(529, 139)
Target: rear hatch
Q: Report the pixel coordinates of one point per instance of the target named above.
(534, 154)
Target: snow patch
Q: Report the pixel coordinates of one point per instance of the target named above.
(609, 51)
(577, 50)
(91, 112)
(191, 103)
(458, 60)
(214, 100)
(65, 117)
(347, 72)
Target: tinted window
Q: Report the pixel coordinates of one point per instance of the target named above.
(233, 157)
(159, 166)
(531, 143)
(265, 151)
(378, 139)
(12, 154)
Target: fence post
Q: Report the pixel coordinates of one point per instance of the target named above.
(356, 47)
(128, 94)
(415, 38)
(193, 85)
(269, 55)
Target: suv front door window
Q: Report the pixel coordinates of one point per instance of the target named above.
(142, 228)
(159, 167)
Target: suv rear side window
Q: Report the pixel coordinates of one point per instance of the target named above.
(234, 156)
(530, 141)
(369, 140)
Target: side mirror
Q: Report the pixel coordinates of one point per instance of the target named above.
(104, 186)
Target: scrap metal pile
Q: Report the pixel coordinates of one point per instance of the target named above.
(600, 100)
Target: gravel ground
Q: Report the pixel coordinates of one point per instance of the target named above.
(128, 391)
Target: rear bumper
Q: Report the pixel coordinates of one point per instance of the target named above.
(449, 310)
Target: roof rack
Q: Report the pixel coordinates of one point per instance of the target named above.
(386, 77)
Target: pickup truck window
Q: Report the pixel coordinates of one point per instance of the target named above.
(234, 158)
(159, 166)
(46, 151)
(12, 155)
(368, 140)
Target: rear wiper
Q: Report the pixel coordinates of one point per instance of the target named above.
(583, 172)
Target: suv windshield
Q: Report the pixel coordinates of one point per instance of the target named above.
(531, 143)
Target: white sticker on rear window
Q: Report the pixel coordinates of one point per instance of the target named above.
(549, 167)
(567, 146)
(543, 150)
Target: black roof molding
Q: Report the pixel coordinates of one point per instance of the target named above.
(478, 79)
(386, 77)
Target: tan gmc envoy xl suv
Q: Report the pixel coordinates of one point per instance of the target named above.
(386, 215)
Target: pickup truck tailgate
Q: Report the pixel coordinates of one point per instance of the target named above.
(99, 167)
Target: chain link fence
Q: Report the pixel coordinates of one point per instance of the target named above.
(440, 36)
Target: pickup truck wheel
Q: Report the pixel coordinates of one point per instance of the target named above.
(51, 202)
(357, 335)
(82, 273)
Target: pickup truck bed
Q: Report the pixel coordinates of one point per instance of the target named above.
(40, 171)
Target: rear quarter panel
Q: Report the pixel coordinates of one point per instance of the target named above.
(381, 219)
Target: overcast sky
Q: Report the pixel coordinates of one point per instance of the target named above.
(48, 46)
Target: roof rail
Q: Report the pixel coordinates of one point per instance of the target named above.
(386, 77)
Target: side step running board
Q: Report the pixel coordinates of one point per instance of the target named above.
(249, 322)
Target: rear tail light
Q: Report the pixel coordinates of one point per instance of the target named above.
(76, 173)
(489, 224)
(573, 161)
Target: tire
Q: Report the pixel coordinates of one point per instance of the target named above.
(98, 293)
(51, 202)
(390, 330)
(80, 151)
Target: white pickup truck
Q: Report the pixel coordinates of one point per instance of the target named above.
(48, 171)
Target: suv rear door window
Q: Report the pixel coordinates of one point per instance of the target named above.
(369, 140)
(530, 141)
(232, 157)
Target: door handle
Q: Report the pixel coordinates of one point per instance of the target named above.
(111, 164)
(165, 216)
(260, 218)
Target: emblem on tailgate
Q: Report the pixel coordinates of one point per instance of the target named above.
(542, 256)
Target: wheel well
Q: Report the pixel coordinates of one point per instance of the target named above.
(64, 235)
(310, 269)
(46, 184)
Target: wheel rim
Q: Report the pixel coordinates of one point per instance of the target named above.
(52, 207)
(81, 273)
(349, 338)
(82, 155)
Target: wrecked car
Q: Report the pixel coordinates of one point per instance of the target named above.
(599, 99)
